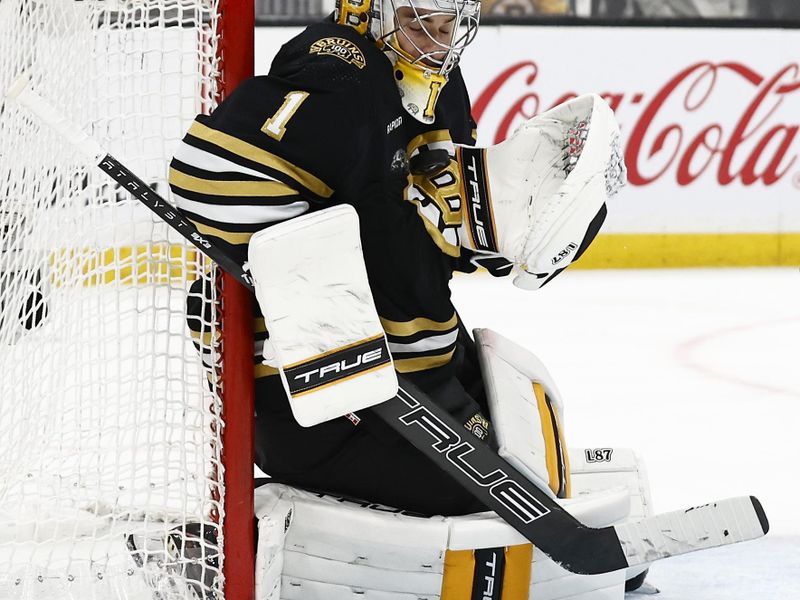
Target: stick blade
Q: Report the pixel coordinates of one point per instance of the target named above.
(720, 523)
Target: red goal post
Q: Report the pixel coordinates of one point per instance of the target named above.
(237, 51)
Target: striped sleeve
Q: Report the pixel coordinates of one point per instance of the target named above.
(231, 189)
(421, 344)
(205, 333)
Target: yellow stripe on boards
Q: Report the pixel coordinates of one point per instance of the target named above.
(216, 187)
(517, 578)
(675, 250)
(260, 156)
(459, 570)
(125, 265)
(407, 328)
(549, 435)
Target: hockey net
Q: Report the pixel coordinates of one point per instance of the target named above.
(113, 466)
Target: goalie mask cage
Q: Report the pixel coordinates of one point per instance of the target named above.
(126, 418)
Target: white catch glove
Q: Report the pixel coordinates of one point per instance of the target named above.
(538, 198)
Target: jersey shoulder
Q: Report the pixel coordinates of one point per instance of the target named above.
(331, 56)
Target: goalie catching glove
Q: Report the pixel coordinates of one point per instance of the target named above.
(538, 199)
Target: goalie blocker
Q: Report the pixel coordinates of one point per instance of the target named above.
(325, 335)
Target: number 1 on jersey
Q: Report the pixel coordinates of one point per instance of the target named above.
(275, 126)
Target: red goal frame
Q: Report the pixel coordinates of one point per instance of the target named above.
(236, 60)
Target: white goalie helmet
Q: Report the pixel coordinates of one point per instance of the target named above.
(424, 40)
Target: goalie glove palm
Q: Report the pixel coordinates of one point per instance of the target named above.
(538, 198)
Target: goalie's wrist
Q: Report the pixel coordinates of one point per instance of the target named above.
(478, 231)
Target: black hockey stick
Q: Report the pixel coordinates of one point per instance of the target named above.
(484, 474)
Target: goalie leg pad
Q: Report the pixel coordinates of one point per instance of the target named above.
(526, 412)
(334, 547)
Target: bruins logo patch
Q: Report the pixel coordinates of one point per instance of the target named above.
(340, 48)
(478, 425)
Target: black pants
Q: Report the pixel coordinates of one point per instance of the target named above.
(370, 461)
(396, 475)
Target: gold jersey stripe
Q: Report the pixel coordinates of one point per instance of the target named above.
(334, 351)
(232, 237)
(260, 156)
(217, 187)
(207, 338)
(422, 363)
(430, 137)
(259, 325)
(517, 576)
(550, 435)
(407, 328)
(262, 370)
(438, 237)
(459, 571)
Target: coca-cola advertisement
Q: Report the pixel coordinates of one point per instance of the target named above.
(709, 117)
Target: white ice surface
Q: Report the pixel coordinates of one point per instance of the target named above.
(699, 371)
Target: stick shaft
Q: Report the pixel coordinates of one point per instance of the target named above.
(172, 217)
(22, 92)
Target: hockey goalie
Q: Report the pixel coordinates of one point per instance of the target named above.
(348, 181)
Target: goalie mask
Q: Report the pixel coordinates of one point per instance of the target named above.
(424, 40)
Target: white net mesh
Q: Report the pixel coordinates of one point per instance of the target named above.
(108, 423)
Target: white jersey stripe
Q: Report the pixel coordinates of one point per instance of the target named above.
(242, 214)
(200, 159)
(434, 342)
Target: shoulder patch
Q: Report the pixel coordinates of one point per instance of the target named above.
(340, 48)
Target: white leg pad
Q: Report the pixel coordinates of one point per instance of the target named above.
(337, 550)
(519, 419)
(598, 469)
(341, 550)
(274, 511)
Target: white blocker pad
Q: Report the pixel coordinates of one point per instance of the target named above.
(537, 198)
(336, 549)
(324, 333)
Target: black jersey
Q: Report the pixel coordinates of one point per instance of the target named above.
(326, 127)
